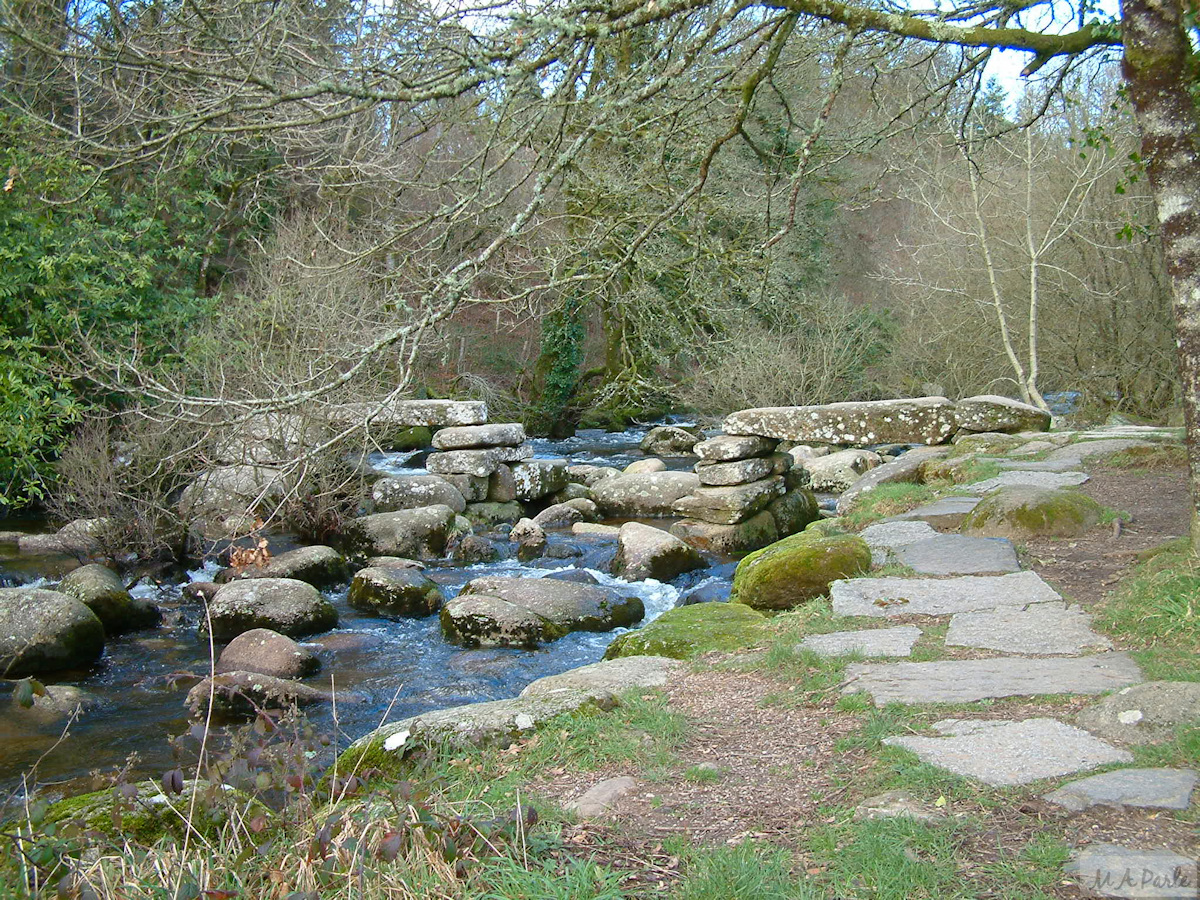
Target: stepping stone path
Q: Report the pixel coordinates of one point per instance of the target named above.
(1040, 629)
(1003, 753)
(957, 554)
(1145, 788)
(1048, 647)
(937, 597)
(1028, 477)
(874, 642)
(1111, 870)
(967, 680)
(946, 513)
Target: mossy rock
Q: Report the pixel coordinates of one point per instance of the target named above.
(491, 515)
(826, 527)
(798, 569)
(419, 437)
(691, 630)
(1022, 512)
(151, 814)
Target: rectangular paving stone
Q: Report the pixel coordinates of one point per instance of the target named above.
(880, 597)
(869, 642)
(1005, 753)
(1027, 477)
(1115, 871)
(1040, 629)
(967, 680)
(1142, 788)
(958, 554)
(947, 513)
(1070, 464)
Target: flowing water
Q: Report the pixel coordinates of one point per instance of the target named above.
(378, 667)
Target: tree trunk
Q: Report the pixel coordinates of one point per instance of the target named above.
(1160, 69)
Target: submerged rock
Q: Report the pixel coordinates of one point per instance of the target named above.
(243, 694)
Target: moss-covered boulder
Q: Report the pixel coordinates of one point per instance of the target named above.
(394, 592)
(798, 569)
(793, 511)
(144, 812)
(101, 590)
(1022, 512)
(691, 630)
(317, 565)
(286, 605)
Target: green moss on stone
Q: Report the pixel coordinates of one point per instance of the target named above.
(797, 569)
(691, 630)
(1024, 512)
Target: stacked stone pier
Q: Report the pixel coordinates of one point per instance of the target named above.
(749, 496)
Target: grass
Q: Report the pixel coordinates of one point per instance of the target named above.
(747, 871)
(1159, 458)
(1156, 613)
(887, 500)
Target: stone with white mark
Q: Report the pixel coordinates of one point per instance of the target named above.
(922, 420)
(1005, 753)
(1115, 871)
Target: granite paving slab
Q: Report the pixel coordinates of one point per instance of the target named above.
(1040, 629)
(937, 596)
(1027, 477)
(1145, 788)
(1068, 464)
(946, 513)
(958, 554)
(869, 642)
(967, 680)
(1004, 753)
(1115, 871)
(883, 537)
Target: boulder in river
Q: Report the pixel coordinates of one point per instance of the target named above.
(669, 440)
(647, 552)
(415, 491)
(101, 590)
(837, 471)
(533, 610)
(394, 592)
(414, 533)
(318, 565)
(243, 694)
(286, 605)
(536, 478)
(729, 540)
(44, 631)
(730, 505)
(267, 653)
(643, 496)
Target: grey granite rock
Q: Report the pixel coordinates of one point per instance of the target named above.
(1040, 629)
(1005, 753)
(1115, 871)
(937, 596)
(957, 554)
(963, 681)
(1029, 478)
(888, 536)
(869, 642)
(945, 514)
(1142, 788)
(1144, 713)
